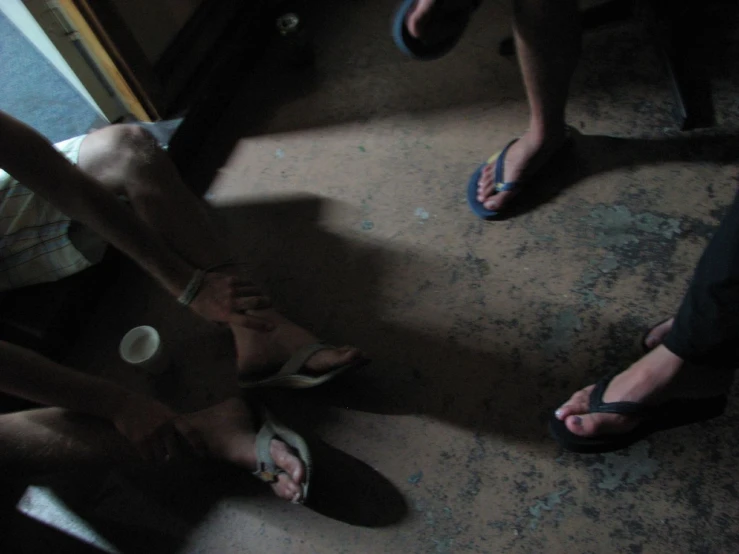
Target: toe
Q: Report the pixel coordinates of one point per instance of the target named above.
(497, 201)
(576, 405)
(590, 425)
(286, 459)
(326, 360)
(582, 425)
(576, 416)
(657, 334)
(286, 489)
(347, 354)
(288, 485)
(486, 179)
(485, 192)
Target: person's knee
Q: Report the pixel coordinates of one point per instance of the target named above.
(133, 145)
(131, 140)
(11, 441)
(136, 153)
(116, 147)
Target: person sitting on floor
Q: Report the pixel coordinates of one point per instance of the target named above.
(56, 216)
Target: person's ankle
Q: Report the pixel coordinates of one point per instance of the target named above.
(542, 136)
(660, 366)
(669, 363)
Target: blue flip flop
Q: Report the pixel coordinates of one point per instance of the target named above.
(500, 185)
(425, 51)
(498, 159)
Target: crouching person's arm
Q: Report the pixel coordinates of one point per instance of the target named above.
(153, 428)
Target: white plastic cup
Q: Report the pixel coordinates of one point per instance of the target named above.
(142, 347)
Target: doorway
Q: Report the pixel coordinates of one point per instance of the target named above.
(36, 84)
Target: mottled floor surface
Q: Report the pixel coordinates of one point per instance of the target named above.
(345, 191)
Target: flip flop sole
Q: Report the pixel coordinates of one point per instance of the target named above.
(416, 49)
(302, 381)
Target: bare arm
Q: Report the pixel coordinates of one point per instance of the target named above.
(33, 161)
(31, 376)
(151, 426)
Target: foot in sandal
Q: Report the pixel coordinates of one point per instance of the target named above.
(289, 356)
(273, 453)
(658, 392)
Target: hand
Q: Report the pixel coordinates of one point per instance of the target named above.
(228, 298)
(156, 431)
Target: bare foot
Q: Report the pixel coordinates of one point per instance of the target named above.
(229, 435)
(657, 334)
(522, 160)
(260, 353)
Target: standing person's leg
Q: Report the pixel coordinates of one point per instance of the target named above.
(128, 160)
(706, 328)
(54, 439)
(547, 36)
(696, 357)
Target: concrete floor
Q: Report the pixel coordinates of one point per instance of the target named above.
(347, 196)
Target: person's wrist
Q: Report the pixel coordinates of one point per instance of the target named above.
(192, 288)
(135, 403)
(116, 402)
(179, 278)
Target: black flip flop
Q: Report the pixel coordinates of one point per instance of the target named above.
(671, 414)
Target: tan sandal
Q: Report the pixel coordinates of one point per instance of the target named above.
(267, 469)
(289, 375)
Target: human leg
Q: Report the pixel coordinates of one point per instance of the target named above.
(47, 439)
(656, 335)
(706, 327)
(547, 36)
(698, 353)
(127, 160)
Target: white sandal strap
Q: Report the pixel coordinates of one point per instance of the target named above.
(300, 357)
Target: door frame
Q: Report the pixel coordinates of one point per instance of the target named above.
(73, 35)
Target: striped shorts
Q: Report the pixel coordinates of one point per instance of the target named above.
(36, 239)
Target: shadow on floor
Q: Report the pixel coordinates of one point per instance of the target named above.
(334, 284)
(159, 509)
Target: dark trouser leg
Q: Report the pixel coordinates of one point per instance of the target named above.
(706, 328)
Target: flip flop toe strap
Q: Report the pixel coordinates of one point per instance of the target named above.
(300, 357)
(267, 469)
(500, 184)
(503, 187)
(597, 405)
